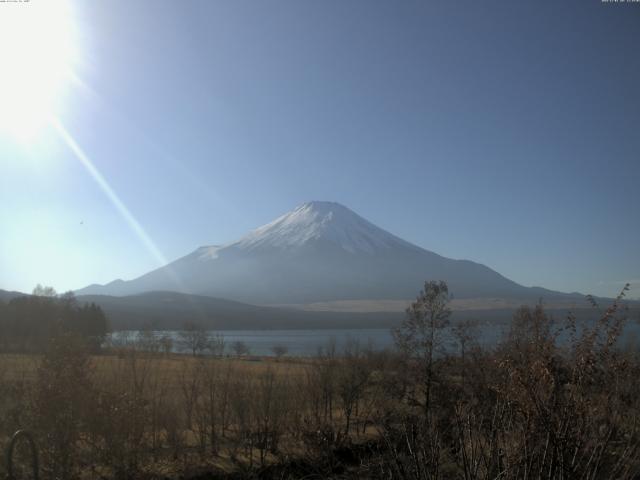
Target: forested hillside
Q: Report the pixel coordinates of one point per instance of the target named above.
(28, 322)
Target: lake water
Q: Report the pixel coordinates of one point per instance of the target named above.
(307, 342)
(297, 342)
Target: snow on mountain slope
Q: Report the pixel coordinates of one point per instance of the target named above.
(318, 252)
(326, 221)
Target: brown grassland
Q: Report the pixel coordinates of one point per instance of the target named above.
(534, 406)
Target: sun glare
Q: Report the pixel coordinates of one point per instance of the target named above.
(36, 58)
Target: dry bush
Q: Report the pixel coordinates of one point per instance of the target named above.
(63, 398)
(554, 400)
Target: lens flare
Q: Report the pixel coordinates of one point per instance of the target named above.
(37, 53)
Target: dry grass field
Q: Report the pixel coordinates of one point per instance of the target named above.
(171, 368)
(171, 415)
(530, 407)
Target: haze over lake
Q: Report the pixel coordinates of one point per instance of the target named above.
(304, 343)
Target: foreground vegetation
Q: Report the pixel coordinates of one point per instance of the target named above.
(530, 407)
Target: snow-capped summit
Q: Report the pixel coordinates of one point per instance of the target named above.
(319, 251)
(321, 222)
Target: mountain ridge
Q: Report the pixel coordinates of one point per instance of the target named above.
(319, 251)
(160, 310)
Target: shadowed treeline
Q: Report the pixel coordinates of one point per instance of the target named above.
(28, 322)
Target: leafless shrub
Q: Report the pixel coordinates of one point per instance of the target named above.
(240, 348)
(279, 351)
(62, 404)
(193, 338)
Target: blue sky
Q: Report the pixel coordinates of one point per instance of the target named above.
(503, 132)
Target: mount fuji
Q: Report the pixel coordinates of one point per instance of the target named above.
(320, 252)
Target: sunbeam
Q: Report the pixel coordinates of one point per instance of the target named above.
(108, 191)
(124, 211)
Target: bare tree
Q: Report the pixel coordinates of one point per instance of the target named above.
(147, 341)
(420, 334)
(63, 396)
(191, 388)
(464, 334)
(194, 338)
(166, 344)
(279, 351)
(352, 379)
(240, 348)
(44, 291)
(216, 344)
(270, 413)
